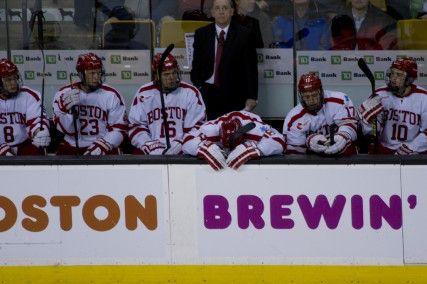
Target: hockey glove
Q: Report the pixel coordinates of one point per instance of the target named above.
(242, 153)
(371, 108)
(69, 99)
(212, 154)
(175, 149)
(316, 143)
(41, 138)
(99, 148)
(342, 141)
(404, 150)
(154, 147)
(6, 150)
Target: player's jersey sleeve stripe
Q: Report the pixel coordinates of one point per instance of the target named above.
(194, 89)
(334, 100)
(148, 88)
(296, 117)
(30, 92)
(280, 141)
(108, 88)
(136, 131)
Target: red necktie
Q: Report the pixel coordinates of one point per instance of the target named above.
(218, 56)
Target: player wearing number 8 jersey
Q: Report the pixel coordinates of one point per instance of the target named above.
(98, 109)
(401, 111)
(21, 131)
(184, 107)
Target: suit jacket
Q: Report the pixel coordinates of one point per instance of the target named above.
(238, 66)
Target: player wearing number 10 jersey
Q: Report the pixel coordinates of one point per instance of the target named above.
(97, 111)
(184, 106)
(401, 111)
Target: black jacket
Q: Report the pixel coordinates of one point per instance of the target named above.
(238, 67)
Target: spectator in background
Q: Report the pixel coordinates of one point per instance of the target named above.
(419, 9)
(251, 16)
(224, 64)
(120, 35)
(343, 33)
(331, 8)
(399, 9)
(375, 30)
(311, 28)
(178, 9)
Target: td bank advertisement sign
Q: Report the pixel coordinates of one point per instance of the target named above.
(338, 68)
(121, 67)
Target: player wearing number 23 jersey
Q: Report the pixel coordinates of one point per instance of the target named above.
(95, 109)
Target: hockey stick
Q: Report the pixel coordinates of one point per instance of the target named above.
(332, 130)
(162, 99)
(40, 41)
(239, 133)
(75, 112)
(365, 69)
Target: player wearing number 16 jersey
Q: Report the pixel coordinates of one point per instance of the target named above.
(98, 109)
(22, 130)
(401, 111)
(184, 106)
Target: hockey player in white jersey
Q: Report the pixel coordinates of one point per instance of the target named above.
(23, 129)
(401, 111)
(96, 110)
(233, 139)
(184, 106)
(307, 127)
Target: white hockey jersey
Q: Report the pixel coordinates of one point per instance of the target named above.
(269, 141)
(20, 117)
(101, 114)
(337, 109)
(404, 120)
(185, 112)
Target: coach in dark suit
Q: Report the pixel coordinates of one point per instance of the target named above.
(225, 63)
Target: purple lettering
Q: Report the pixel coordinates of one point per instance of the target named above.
(357, 212)
(250, 209)
(278, 212)
(321, 207)
(392, 214)
(216, 213)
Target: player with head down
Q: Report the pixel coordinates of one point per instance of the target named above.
(184, 108)
(233, 139)
(23, 128)
(308, 126)
(401, 111)
(96, 110)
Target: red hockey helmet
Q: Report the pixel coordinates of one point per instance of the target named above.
(228, 128)
(408, 65)
(7, 69)
(310, 86)
(169, 63)
(399, 84)
(88, 61)
(172, 83)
